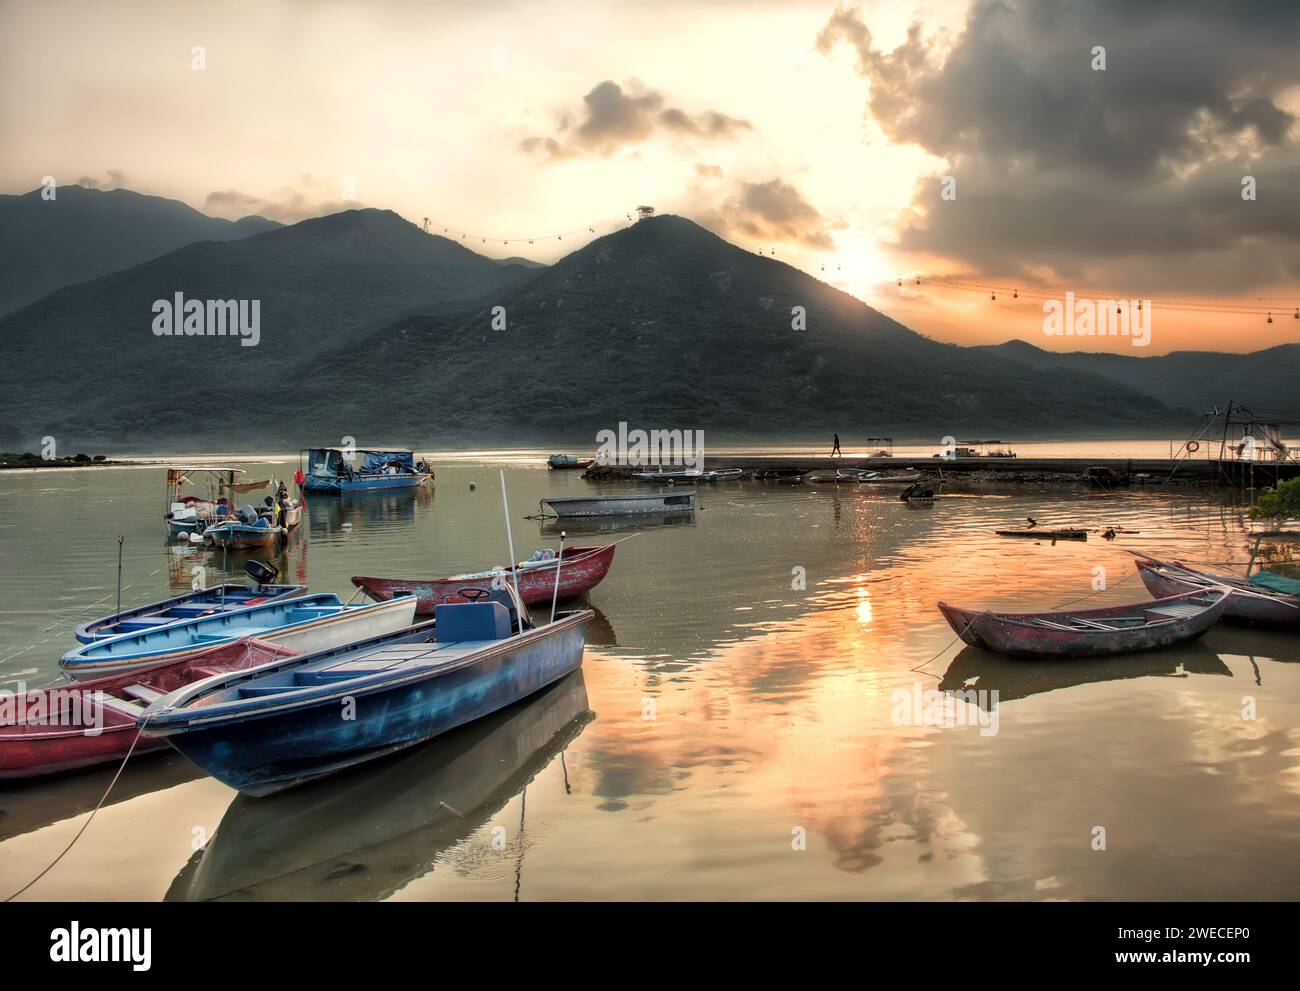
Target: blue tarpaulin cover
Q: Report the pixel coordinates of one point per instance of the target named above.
(375, 460)
(1276, 583)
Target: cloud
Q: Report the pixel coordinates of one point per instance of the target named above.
(116, 180)
(613, 118)
(310, 198)
(1133, 172)
(768, 211)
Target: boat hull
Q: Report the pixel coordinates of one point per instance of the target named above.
(579, 506)
(80, 727)
(369, 483)
(582, 569)
(1017, 635)
(260, 746)
(1254, 608)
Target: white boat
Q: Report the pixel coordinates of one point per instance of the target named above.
(618, 505)
(689, 477)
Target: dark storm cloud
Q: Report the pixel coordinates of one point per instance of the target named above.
(769, 211)
(612, 118)
(1062, 165)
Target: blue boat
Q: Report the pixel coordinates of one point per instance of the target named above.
(331, 471)
(229, 597)
(305, 623)
(292, 721)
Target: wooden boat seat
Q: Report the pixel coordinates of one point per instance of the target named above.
(141, 692)
(136, 625)
(1177, 610)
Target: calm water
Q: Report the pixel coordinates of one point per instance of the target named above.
(721, 716)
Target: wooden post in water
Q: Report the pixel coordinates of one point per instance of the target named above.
(559, 563)
(120, 540)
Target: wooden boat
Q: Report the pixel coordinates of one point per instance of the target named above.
(1090, 632)
(189, 513)
(329, 470)
(278, 726)
(909, 476)
(689, 477)
(916, 492)
(581, 569)
(567, 462)
(780, 474)
(309, 622)
(1045, 533)
(75, 725)
(228, 597)
(236, 536)
(1249, 603)
(618, 505)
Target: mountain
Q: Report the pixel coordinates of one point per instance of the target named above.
(1265, 381)
(665, 325)
(84, 233)
(85, 361)
(518, 260)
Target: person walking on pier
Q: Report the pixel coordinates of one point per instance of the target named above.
(836, 449)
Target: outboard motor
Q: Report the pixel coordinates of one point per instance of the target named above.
(262, 573)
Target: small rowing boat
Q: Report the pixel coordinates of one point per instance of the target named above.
(309, 622)
(1251, 602)
(1044, 533)
(278, 726)
(689, 477)
(1090, 632)
(567, 462)
(69, 726)
(237, 536)
(229, 597)
(581, 569)
(618, 505)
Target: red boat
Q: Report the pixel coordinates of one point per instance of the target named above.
(70, 725)
(581, 569)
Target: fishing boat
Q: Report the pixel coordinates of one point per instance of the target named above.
(580, 570)
(236, 535)
(278, 726)
(189, 513)
(1090, 632)
(74, 725)
(330, 470)
(567, 462)
(909, 476)
(403, 813)
(618, 505)
(309, 622)
(1046, 533)
(1253, 601)
(689, 477)
(228, 597)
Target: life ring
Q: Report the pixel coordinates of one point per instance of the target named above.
(1193, 446)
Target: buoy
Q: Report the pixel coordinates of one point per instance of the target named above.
(472, 486)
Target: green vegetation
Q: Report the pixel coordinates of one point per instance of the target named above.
(29, 460)
(1281, 503)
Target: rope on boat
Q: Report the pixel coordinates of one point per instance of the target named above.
(85, 825)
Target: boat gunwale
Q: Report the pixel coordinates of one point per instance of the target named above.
(1024, 619)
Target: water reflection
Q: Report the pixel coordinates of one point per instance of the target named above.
(368, 833)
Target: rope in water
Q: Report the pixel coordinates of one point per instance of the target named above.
(93, 813)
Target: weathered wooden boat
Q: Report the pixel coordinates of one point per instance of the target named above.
(329, 470)
(228, 597)
(581, 569)
(1251, 602)
(396, 816)
(1046, 533)
(189, 513)
(617, 505)
(567, 462)
(73, 725)
(1090, 632)
(689, 477)
(278, 726)
(305, 623)
(238, 536)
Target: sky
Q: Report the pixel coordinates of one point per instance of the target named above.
(983, 147)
